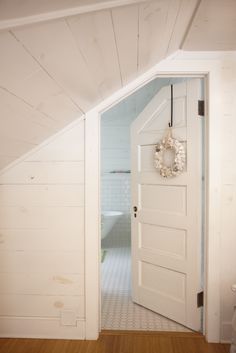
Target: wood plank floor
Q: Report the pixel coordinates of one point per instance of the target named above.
(117, 342)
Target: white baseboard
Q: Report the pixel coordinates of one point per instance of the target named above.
(226, 332)
(34, 327)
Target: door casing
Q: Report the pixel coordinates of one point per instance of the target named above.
(210, 72)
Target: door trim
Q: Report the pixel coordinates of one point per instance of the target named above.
(168, 68)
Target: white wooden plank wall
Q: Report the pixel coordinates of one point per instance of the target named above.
(228, 193)
(42, 236)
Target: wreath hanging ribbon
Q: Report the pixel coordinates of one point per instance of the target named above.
(169, 143)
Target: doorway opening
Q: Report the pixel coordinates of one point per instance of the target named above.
(120, 308)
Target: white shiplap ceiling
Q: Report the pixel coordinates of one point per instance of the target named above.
(213, 27)
(52, 72)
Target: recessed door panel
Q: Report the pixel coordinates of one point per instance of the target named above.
(170, 199)
(163, 240)
(167, 282)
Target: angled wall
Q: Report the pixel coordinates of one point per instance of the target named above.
(42, 241)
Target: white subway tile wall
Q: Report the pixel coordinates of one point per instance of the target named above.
(116, 192)
(116, 197)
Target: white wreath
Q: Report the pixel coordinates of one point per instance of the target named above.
(168, 143)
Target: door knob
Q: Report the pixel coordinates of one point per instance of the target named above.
(135, 208)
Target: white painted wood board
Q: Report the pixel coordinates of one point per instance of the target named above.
(183, 20)
(42, 284)
(68, 67)
(69, 147)
(40, 306)
(95, 38)
(125, 22)
(5, 160)
(45, 173)
(41, 239)
(12, 70)
(58, 262)
(156, 20)
(42, 195)
(26, 79)
(40, 217)
(213, 27)
(39, 327)
(20, 121)
(14, 147)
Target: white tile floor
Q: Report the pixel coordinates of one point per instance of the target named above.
(118, 310)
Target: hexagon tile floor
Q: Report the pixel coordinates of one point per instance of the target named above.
(118, 310)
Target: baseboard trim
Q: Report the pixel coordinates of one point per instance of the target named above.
(34, 327)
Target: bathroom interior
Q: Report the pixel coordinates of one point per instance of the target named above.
(118, 312)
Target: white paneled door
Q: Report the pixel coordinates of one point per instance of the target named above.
(167, 226)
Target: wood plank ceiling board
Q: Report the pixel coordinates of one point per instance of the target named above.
(47, 97)
(94, 36)
(12, 105)
(12, 70)
(21, 122)
(26, 79)
(185, 15)
(171, 19)
(5, 160)
(213, 27)
(13, 147)
(54, 47)
(125, 21)
(156, 23)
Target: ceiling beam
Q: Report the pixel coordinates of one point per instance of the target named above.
(83, 7)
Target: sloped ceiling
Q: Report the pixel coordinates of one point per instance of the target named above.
(213, 27)
(52, 72)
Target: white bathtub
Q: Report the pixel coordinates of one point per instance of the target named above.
(109, 219)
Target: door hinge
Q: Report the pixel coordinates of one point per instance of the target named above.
(201, 108)
(200, 299)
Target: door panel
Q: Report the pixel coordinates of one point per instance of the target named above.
(163, 240)
(166, 232)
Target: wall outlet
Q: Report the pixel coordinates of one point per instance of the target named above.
(68, 318)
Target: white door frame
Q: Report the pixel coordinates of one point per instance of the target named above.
(210, 69)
